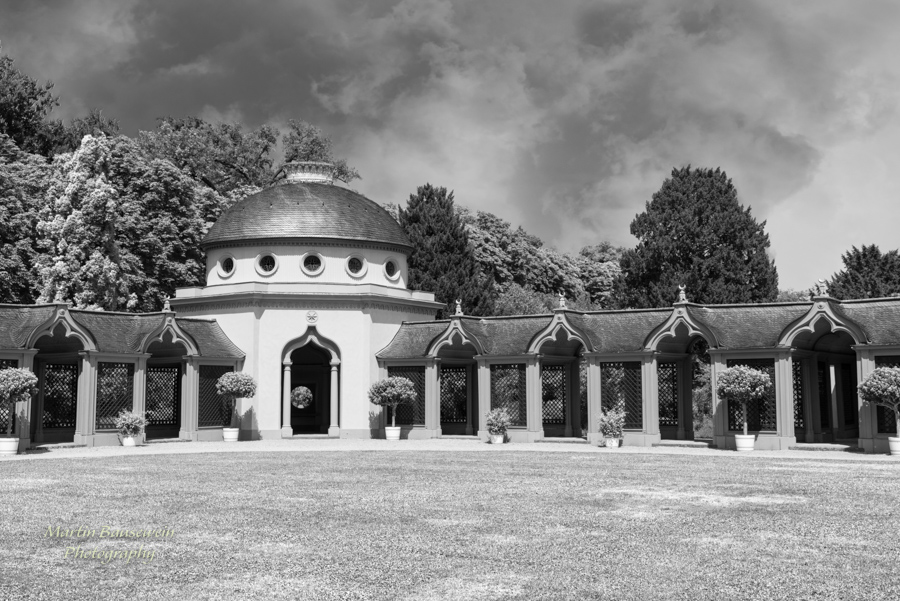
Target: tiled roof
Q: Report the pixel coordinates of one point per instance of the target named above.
(618, 331)
(748, 326)
(112, 332)
(17, 322)
(879, 319)
(306, 210)
(413, 340)
(505, 335)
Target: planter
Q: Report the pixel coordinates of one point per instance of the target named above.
(612, 443)
(230, 434)
(498, 438)
(9, 446)
(128, 441)
(392, 432)
(744, 442)
(894, 444)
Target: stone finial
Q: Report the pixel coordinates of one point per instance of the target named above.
(59, 296)
(682, 297)
(310, 172)
(821, 288)
(562, 300)
(166, 306)
(459, 310)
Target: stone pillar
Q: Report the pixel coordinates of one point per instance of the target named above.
(573, 400)
(837, 406)
(685, 399)
(865, 365)
(286, 430)
(809, 385)
(432, 400)
(650, 392)
(470, 399)
(594, 392)
(86, 412)
(334, 430)
(721, 437)
(534, 430)
(190, 399)
(483, 372)
(139, 396)
(784, 401)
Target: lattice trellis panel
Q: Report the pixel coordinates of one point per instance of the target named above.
(60, 396)
(848, 394)
(163, 395)
(824, 383)
(508, 390)
(884, 416)
(667, 375)
(620, 384)
(583, 393)
(454, 395)
(413, 414)
(5, 413)
(762, 414)
(553, 393)
(115, 391)
(210, 411)
(797, 376)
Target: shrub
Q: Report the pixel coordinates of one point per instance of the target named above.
(742, 384)
(882, 387)
(16, 384)
(612, 421)
(301, 397)
(232, 386)
(498, 420)
(391, 392)
(129, 423)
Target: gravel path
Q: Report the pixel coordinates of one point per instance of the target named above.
(446, 445)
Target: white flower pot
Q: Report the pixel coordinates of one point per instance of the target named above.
(128, 441)
(744, 442)
(392, 432)
(9, 446)
(894, 444)
(230, 434)
(612, 443)
(498, 438)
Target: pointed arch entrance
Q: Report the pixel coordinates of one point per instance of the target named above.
(312, 361)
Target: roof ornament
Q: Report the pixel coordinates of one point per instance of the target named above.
(308, 172)
(562, 300)
(821, 288)
(682, 297)
(59, 296)
(166, 306)
(459, 310)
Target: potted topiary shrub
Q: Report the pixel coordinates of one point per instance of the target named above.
(882, 388)
(16, 384)
(392, 392)
(232, 386)
(130, 425)
(497, 424)
(742, 384)
(301, 397)
(612, 421)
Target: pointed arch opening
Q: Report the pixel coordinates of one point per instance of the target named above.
(311, 361)
(59, 369)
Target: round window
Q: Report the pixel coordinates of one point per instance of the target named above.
(267, 263)
(312, 263)
(354, 265)
(228, 265)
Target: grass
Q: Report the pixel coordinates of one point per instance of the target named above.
(382, 525)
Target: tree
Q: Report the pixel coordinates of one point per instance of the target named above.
(24, 107)
(867, 273)
(62, 138)
(120, 231)
(695, 232)
(23, 182)
(598, 268)
(441, 260)
(305, 142)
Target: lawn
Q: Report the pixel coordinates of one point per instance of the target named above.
(505, 525)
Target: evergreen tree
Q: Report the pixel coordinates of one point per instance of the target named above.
(695, 232)
(867, 273)
(24, 107)
(442, 260)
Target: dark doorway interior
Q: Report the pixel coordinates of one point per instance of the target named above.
(311, 367)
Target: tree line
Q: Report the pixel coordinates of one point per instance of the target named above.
(110, 222)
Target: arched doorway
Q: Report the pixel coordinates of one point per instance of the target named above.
(684, 393)
(311, 367)
(458, 388)
(165, 368)
(561, 407)
(58, 367)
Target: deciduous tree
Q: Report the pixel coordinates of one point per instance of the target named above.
(695, 232)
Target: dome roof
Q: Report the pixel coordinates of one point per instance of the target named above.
(312, 211)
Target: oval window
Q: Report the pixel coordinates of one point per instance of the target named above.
(390, 268)
(228, 265)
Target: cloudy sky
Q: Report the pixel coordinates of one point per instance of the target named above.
(563, 116)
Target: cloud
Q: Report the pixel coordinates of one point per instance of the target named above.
(563, 116)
